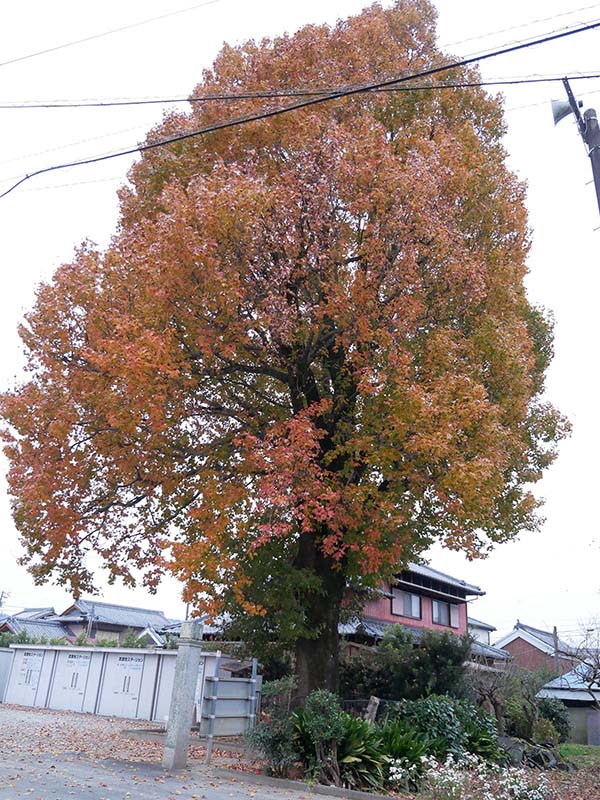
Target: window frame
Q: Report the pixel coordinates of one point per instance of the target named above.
(402, 595)
(452, 611)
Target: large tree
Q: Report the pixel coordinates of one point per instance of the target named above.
(307, 353)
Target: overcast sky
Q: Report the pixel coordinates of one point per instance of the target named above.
(548, 578)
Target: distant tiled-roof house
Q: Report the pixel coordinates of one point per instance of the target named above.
(91, 618)
(36, 613)
(48, 629)
(534, 649)
(97, 619)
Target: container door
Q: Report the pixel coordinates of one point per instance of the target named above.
(68, 687)
(27, 677)
(121, 686)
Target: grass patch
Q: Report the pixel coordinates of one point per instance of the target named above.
(582, 755)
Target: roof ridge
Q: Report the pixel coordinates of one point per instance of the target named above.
(117, 605)
(415, 565)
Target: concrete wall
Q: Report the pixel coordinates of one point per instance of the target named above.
(479, 634)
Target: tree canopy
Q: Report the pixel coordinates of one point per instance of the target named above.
(307, 353)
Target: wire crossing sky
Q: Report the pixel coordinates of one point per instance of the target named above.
(348, 91)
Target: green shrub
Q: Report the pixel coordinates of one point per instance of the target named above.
(405, 749)
(323, 717)
(131, 639)
(435, 717)
(402, 742)
(556, 712)
(361, 756)
(518, 722)
(452, 727)
(278, 693)
(480, 732)
(319, 727)
(336, 747)
(275, 739)
(544, 732)
(403, 668)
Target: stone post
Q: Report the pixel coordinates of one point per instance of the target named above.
(182, 699)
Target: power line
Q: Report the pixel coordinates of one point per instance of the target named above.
(106, 33)
(312, 101)
(275, 93)
(266, 94)
(141, 126)
(75, 183)
(522, 25)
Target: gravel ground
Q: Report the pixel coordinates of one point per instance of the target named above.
(55, 755)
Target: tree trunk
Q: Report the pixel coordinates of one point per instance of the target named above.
(317, 658)
(499, 714)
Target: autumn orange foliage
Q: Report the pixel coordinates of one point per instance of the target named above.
(307, 353)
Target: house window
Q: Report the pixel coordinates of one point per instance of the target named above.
(405, 604)
(445, 614)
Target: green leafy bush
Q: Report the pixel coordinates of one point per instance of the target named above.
(278, 693)
(544, 732)
(480, 732)
(405, 749)
(275, 739)
(336, 747)
(518, 721)
(319, 727)
(361, 755)
(435, 717)
(556, 712)
(452, 726)
(405, 743)
(402, 668)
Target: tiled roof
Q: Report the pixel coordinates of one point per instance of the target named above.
(377, 628)
(572, 686)
(367, 627)
(488, 651)
(111, 614)
(35, 613)
(547, 637)
(38, 629)
(475, 623)
(434, 574)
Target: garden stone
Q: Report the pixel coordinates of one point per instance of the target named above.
(515, 749)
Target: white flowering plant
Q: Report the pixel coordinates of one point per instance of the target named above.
(468, 778)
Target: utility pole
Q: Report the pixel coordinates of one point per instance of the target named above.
(589, 130)
(555, 637)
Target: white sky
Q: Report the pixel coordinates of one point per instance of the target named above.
(544, 579)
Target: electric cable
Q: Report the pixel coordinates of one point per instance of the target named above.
(312, 101)
(276, 93)
(106, 33)
(207, 98)
(517, 27)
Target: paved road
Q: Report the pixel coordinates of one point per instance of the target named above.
(70, 776)
(57, 755)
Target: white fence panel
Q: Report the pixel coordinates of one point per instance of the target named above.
(129, 683)
(6, 659)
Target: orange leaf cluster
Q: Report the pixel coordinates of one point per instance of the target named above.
(312, 326)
